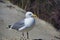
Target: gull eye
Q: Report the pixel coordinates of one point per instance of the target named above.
(29, 14)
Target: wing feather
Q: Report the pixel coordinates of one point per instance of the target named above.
(18, 25)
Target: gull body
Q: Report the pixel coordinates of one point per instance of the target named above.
(26, 24)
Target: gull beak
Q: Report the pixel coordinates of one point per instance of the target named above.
(34, 15)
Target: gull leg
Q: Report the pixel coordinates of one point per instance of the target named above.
(23, 35)
(27, 35)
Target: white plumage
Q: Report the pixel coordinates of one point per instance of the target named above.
(26, 23)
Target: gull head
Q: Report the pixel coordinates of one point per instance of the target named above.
(30, 14)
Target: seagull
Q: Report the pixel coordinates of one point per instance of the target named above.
(26, 24)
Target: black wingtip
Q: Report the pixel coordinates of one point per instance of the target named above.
(9, 26)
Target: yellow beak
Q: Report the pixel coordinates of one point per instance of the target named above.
(34, 15)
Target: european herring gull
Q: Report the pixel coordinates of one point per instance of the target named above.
(26, 24)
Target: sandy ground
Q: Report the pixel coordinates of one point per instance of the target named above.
(9, 15)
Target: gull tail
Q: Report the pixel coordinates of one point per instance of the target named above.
(9, 27)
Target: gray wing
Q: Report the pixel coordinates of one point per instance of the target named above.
(18, 25)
